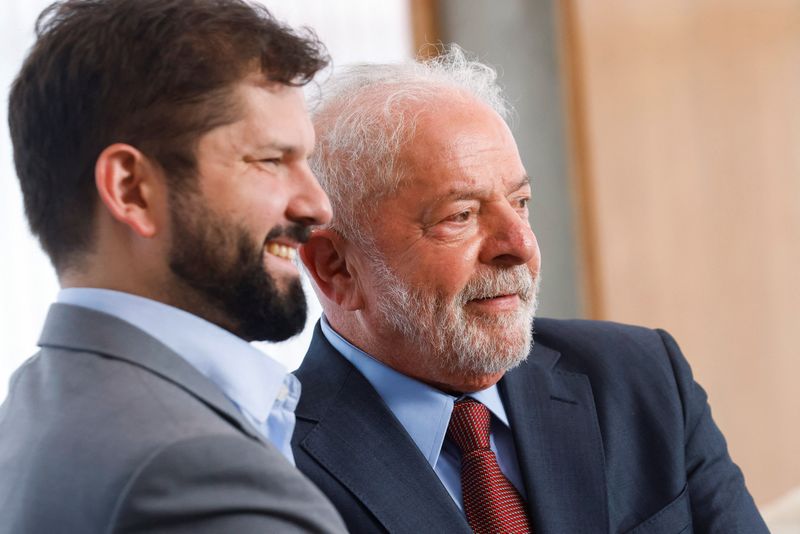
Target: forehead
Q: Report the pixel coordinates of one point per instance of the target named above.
(461, 141)
(271, 114)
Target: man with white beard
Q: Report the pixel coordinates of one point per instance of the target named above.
(430, 404)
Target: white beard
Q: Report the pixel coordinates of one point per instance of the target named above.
(453, 339)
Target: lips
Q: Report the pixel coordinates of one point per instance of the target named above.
(491, 297)
(282, 240)
(505, 303)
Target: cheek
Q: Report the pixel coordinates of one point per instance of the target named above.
(447, 270)
(260, 213)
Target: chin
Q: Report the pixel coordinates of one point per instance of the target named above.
(284, 283)
(479, 382)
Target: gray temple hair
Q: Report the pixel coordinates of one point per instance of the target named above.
(365, 113)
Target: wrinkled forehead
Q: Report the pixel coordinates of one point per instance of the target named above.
(458, 140)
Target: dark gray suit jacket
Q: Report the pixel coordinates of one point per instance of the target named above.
(611, 431)
(107, 430)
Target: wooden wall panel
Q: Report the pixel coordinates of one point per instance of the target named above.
(686, 149)
(425, 27)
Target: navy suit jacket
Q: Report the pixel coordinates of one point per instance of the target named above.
(612, 432)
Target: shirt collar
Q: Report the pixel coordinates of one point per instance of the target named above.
(250, 378)
(423, 411)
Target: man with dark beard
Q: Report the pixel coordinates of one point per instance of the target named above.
(161, 147)
(430, 406)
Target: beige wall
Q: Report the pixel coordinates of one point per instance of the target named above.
(685, 121)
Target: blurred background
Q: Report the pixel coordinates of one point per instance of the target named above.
(663, 139)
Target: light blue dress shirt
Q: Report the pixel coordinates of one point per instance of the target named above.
(424, 412)
(258, 386)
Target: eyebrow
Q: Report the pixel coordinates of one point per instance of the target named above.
(284, 149)
(458, 193)
(526, 180)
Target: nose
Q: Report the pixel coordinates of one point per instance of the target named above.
(509, 239)
(309, 205)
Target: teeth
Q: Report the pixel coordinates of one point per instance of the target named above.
(282, 251)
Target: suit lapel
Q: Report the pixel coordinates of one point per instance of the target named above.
(79, 328)
(360, 443)
(558, 442)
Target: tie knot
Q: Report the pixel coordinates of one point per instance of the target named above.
(469, 425)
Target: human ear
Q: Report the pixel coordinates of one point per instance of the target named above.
(127, 184)
(325, 258)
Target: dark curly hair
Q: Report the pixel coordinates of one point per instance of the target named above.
(156, 74)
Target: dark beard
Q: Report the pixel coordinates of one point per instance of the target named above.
(239, 288)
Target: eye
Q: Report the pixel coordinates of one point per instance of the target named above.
(521, 203)
(460, 217)
(270, 162)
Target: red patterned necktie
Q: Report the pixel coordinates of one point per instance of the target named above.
(491, 503)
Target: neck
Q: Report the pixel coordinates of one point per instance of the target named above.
(143, 281)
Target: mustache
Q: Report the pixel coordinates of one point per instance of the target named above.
(517, 280)
(295, 232)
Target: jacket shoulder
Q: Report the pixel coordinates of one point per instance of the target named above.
(598, 347)
(75, 425)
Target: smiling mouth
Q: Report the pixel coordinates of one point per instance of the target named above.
(282, 251)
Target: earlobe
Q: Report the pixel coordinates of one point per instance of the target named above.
(126, 184)
(325, 259)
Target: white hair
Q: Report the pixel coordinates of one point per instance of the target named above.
(364, 115)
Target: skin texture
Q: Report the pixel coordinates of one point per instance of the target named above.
(461, 211)
(253, 187)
